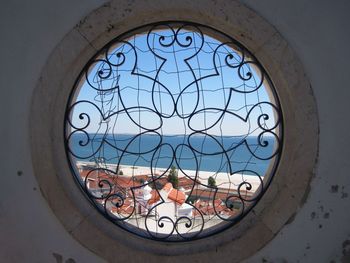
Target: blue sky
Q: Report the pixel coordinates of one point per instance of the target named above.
(136, 90)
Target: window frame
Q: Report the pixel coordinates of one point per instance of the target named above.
(285, 195)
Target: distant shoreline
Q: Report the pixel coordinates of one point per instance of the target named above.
(211, 154)
(195, 134)
(223, 180)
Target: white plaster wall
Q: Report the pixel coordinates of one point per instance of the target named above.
(29, 232)
(318, 31)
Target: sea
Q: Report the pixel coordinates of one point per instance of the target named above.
(197, 152)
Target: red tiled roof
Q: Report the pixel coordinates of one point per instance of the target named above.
(177, 196)
(186, 182)
(155, 197)
(167, 187)
(95, 176)
(123, 210)
(124, 183)
(222, 194)
(210, 208)
(174, 194)
(126, 209)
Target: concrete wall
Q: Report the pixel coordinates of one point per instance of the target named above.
(318, 33)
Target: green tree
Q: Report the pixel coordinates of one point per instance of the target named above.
(211, 182)
(173, 178)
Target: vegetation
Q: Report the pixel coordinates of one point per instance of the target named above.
(142, 181)
(192, 199)
(211, 182)
(173, 177)
(158, 185)
(233, 204)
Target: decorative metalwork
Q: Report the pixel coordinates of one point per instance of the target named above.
(174, 131)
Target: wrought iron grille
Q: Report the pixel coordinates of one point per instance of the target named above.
(173, 131)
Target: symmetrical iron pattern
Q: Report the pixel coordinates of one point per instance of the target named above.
(174, 131)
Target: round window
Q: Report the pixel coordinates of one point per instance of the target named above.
(174, 131)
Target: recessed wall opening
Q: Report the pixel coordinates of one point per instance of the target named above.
(174, 131)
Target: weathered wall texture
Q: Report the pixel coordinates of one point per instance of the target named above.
(318, 33)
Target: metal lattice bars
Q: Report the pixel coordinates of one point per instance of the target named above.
(174, 131)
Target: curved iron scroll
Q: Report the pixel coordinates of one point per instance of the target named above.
(174, 131)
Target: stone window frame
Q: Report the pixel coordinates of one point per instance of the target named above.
(287, 192)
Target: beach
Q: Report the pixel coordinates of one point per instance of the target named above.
(223, 180)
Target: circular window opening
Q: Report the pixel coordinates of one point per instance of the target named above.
(173, 131)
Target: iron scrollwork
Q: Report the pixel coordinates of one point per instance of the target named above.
(123, 141)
